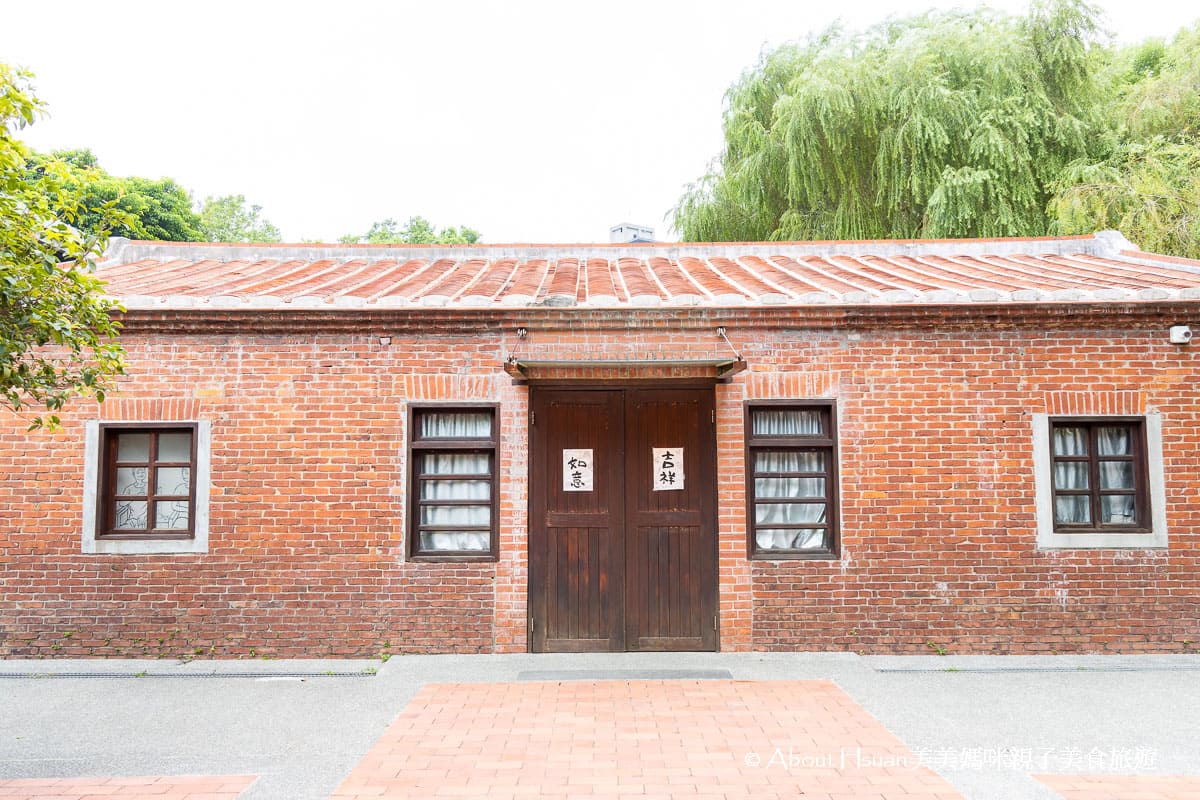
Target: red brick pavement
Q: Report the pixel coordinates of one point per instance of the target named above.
(152, 787)
(652, 740)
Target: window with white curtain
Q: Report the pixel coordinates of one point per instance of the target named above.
(452, 487)
(1099, 475)
(791, 471)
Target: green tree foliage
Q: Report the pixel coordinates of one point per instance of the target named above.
(151, 209)
(417, 230)
(942, 125)
(57, 338)
(227, 219)
(157, 209)
(154, 209)
(1146, 180)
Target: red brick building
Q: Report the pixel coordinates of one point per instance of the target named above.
(969, 446)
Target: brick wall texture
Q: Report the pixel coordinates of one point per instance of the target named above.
(307, 554)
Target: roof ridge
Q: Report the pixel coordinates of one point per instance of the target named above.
(122, 250)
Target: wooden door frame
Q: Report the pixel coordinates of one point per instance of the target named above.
(534, 490)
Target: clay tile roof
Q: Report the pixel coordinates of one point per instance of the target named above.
(1104, 267)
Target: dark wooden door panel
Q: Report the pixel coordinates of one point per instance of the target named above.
(666, 581)
(579, 615)
(670, 534)
(576, 547)
(622, 567)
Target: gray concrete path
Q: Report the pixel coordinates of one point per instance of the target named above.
(983, 723)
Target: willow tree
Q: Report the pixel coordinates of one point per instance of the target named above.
(941, 125)
(1146, 183)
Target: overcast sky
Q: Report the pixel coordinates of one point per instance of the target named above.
(529, 121)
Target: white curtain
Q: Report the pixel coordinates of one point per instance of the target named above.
(456, 490)
(455, 425)
(1070, 475)
(786, 422)
(773, 485)
(455, 464)
(788, 461)
(788, 513)
(1073, 475)
(1116, 474)
(1115, 509)
(1113, 441)
(767, 488)
(1073, 509)
(804, 539)
(437, 515)
(453, 516)
(1118, 509)
(455, 540)
(1070, 442)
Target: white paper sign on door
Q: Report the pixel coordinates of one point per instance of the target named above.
(577, 470)
(668, 468)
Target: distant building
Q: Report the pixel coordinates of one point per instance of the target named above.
(628, 232)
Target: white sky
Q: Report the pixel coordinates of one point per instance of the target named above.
(529, 121)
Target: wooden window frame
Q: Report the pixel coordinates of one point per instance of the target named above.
(107, 498)
(1141, 475)
(826, 443)
(418, 447)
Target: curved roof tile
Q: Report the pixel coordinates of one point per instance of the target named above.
(565, 279)
(600, 282)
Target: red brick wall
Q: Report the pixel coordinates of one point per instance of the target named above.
(306, 552)
(938, 532)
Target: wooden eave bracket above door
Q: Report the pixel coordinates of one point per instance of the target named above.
(525, 370)
(550, 363)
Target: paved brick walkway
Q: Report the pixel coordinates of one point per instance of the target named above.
(700, 740)
(1124, 787)
(154, 787)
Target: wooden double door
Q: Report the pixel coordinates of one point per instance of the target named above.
(622, 539)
